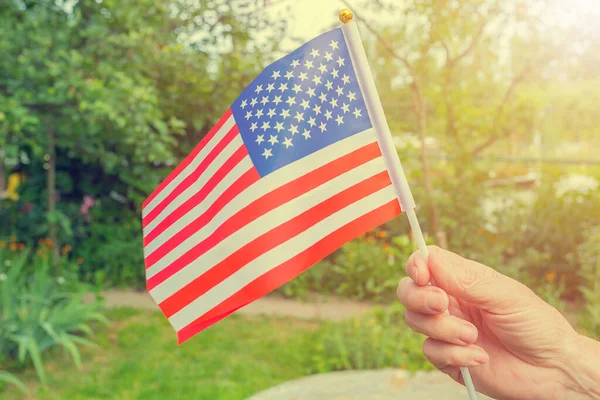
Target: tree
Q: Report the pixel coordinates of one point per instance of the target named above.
(129, 86)
(459, 65)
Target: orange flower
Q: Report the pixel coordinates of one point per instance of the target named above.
(550, 276)
(79, 260)
(21, 246)
(480, 231)
(382, 234)
(66, 249)
(410, 234)
(13, 246)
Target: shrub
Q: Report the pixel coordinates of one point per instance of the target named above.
(367, 268)
(379, 339)
(39, 310)
(589, 255)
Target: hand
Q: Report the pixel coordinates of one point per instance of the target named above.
(515, 345)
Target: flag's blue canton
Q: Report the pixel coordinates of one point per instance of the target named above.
(301, 103)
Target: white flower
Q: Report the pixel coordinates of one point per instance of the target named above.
(576, 183)
(2, 277)
(60, 280)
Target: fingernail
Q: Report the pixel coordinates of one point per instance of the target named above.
(435, 301)
(479, 356)
(468, 334)
(415, 273)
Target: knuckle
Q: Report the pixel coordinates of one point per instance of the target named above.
(474, 278)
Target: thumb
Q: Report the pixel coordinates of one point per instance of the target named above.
(473, 282)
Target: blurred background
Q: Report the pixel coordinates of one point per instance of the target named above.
(494, 107)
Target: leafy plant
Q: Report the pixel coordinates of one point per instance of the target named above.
(39, 311)
(377, 340)
(367, 268)
(7, 377)
(589, 254)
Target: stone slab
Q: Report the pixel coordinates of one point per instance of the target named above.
(385, 384)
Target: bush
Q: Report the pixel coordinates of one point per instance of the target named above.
(379, 339)
(39, 310)
(367, 268)
(589, 255)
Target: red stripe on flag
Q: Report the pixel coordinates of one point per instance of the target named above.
(291, 268)
(243, 182)
(270, 240)
(193, 177)
(199, 196)
(188, 159)
(254, 210)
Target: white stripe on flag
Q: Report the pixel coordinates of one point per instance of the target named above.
(192, 189)
(227, 125)
(256, 191)
(277, 256)
(260, 226)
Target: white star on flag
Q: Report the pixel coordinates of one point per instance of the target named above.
(267, 153)
(287, 142)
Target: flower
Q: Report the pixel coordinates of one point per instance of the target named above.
(20, 246)
(13, 246)
(13, 239)
(382, 234)
(79, 260)
(14, 180)
(88, 202)
(66, 249)
(27, 207)
(2, 244)
(60, 280)
(550, 276)
(2, 277)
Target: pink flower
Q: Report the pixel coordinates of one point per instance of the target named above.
(88, 202)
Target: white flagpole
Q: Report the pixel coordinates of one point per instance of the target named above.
(386, 144)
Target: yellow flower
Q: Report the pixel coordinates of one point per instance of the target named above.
(2, 244)
(14, 180)
(550, 276)
(382, 234)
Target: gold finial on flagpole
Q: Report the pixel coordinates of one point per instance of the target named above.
(345, 15)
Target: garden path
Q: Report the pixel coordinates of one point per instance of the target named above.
(321, 308)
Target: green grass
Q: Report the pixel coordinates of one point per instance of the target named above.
(138, 358)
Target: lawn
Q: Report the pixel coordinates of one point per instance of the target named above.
(138, 358)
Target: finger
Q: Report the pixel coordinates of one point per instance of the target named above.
(416, 268)
(443, 327)
(473, 282)
(443, 355)
(422, 299)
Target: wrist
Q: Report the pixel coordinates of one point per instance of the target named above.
(582, 369)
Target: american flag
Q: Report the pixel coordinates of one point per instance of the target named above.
(290, 173)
